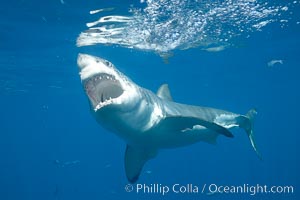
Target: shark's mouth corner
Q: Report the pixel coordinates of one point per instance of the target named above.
(102, 89)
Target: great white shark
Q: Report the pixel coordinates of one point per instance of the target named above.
(149, 122)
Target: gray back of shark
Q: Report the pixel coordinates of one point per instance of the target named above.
(147, 121)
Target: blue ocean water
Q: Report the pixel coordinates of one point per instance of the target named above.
(52, 148)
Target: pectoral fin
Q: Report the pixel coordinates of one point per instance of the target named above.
(135, 159)
(183, 123)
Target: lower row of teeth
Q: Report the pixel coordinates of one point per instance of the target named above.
(107, 77)
(103, 103)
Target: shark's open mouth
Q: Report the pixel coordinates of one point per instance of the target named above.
(102, 89)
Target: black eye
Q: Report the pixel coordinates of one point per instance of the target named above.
(97, 61)
(107, 63)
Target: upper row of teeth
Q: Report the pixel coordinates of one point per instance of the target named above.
(104, 77)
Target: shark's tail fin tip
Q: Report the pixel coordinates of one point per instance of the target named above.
(250, 115)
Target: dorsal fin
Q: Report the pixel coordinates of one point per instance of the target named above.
(164, 92)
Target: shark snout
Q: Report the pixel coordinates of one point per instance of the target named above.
(90, 65)
(83, 60)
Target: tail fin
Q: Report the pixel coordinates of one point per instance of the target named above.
(247, 124)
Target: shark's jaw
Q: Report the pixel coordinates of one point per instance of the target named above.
(102, 89)
(104, 85)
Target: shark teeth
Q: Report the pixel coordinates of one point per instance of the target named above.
(102, 89)
(102, 104)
